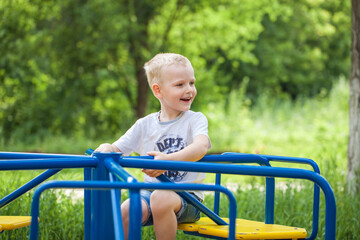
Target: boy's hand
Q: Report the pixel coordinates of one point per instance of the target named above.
(106, 148)
(158, 155)
(154, 172)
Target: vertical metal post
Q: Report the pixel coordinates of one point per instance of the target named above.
(217, 194)
(102, 223)
(270, 200)
(116, 201)
(87, 205)
(135, 215)
(270, 195)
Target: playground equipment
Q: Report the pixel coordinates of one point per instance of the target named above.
(104, 175)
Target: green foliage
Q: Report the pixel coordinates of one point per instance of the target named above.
(75, 67)
(264, 126)
(71, 78)
(295, 51)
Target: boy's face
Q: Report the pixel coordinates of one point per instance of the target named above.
(177, 88)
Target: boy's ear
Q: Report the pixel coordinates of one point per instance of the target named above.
(156, 90)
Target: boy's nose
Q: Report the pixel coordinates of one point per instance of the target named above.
(189, 88)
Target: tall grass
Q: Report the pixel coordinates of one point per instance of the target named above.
(312, 128)
(61, 215)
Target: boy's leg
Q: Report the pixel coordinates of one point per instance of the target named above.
(125, 207)
(164, 205)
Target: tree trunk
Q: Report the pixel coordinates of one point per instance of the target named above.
(142, 92)
(353, 176)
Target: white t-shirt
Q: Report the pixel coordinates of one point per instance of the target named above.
(149, 134)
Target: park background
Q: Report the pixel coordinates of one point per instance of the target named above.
(272, 78)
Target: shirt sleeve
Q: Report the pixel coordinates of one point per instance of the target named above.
(200, 126)
(128, 142)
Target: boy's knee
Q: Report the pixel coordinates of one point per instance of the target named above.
(161, 201)
(158, 196)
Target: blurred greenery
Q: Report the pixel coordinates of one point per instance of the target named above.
(312, 128)
(74, 68)
(271, 78)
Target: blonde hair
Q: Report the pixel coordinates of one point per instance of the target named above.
(155, 66)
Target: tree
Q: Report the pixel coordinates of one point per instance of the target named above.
(353, 176)
(77, 66)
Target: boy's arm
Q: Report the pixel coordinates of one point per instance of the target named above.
(192, 153)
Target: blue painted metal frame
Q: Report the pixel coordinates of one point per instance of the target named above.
(115, 200)
(103, 185)
(252, 171)
(270, 182)
(316, 201)
(31, 164)
(96, 168)
(264, 160)
(101, 214)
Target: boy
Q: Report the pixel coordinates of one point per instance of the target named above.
(174, 133)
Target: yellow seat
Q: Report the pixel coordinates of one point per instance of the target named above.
(13, 222)
(245, 229)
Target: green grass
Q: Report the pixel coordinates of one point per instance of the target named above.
(61, 217)
(311, 128)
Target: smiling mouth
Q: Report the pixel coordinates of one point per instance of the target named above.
(185, 99)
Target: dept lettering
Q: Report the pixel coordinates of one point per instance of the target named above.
(170, 145)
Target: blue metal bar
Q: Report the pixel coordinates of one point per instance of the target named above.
(270, 200)
(235, 158)
(330, 219)
(217, 194)
(87, 206)
(19, 155)
(225, 158)
(102, 222)
(316, 201)
(316, 207)
(28, 164)
(101, 185)
(307, 161)
(121, 173)
(231, 157)
(115, 203)
(240, 158)
(28, 186)
(118, 171)
(135, 200)
(135, 214)
(270, 183)
(193, 201)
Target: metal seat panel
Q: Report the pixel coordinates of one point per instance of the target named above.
(245, 229)
(13, 222)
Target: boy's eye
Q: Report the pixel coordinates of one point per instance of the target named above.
(179, 84)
